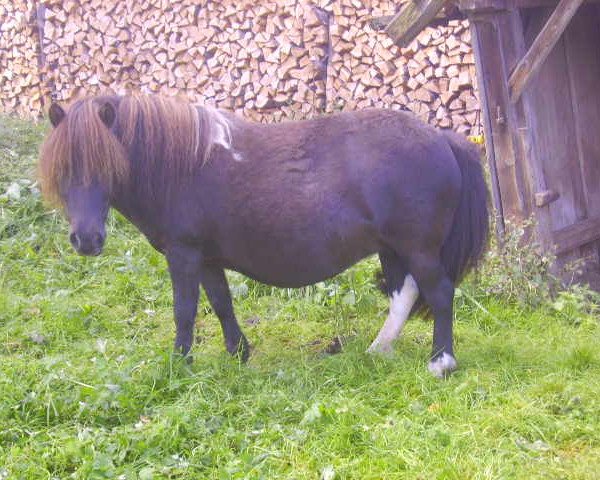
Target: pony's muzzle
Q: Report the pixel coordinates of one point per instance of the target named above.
(87, 244)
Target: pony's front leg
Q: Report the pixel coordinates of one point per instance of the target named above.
(217, 290)
(184, 267)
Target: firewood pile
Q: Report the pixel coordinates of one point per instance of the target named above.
(20, 86)
(268, 60)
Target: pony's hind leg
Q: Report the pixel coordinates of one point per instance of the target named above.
(438, 291)
(403, 292)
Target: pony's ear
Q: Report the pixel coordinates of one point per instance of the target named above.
(56, 114)
(107, 114)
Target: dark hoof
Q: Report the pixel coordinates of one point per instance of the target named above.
(184, 351)
(241, 349)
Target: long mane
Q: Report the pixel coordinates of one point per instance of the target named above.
(154, 143)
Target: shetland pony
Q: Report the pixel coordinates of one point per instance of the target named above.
(287, 204)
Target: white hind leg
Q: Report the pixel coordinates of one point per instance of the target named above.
(401, 304)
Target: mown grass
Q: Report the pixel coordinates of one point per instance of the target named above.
(89, 388)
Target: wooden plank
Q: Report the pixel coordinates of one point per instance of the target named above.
(576, 235)
(447, 13)
(513, 41)
(504, 150)
(483, 6)
(582, 38)
(484, 94)
(513, 47)
(413, 17)
(554, 131)
(541, 47)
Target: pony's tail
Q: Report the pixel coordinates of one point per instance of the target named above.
(468, 238)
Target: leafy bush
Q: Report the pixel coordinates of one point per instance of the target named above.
(517, 270)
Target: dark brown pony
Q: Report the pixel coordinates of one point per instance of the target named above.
(287, 204)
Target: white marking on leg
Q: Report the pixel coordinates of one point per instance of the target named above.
(442, 365)
(400, 307)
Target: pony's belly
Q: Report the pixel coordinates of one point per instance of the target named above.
(284, 250)
(293, 276)
(301, 267)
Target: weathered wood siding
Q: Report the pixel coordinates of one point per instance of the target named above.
(544, 149)
(565, 96)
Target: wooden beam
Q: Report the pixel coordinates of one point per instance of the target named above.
(447, 13)
(541, 47)
(576, 235)
(413, 17)
(482, 6)
(537, 3)
(379, 23)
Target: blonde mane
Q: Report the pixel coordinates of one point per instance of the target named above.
(154, 143)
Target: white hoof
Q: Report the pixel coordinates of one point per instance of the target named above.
(443, 365)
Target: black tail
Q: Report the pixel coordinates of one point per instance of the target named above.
(468, 237)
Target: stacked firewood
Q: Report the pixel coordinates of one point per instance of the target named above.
(20, 87)
(267, 60)
(434, 76)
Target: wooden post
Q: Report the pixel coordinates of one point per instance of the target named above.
(414, 16)
(506, 155)
(489, 142)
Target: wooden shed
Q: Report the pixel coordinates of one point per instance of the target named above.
(538, 70)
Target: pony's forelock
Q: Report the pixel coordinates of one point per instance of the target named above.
(80, 149)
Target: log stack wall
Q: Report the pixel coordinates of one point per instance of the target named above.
(269, 61)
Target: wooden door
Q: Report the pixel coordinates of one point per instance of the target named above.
(565, 127)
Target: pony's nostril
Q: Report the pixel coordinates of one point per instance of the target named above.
(75, 241)
(98, 240)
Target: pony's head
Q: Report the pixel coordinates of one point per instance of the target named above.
(142, 146)
(81, 163)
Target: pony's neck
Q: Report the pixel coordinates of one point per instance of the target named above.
(142, 213)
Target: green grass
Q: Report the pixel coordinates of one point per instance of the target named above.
(89, 388)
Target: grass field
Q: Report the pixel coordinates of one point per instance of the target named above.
(89, 388)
